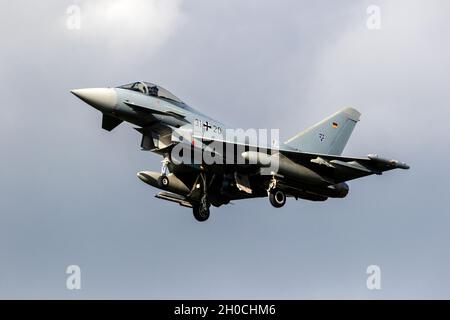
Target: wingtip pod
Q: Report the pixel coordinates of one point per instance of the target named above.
(402, 165)
(394, 163)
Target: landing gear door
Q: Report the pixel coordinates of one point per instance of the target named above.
(154, 141)
(242, 183)
(148, 142)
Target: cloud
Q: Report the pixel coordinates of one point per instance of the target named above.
(147, 23)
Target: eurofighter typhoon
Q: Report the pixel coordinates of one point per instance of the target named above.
(206, 163)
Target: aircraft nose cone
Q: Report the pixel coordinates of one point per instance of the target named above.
(103, 99)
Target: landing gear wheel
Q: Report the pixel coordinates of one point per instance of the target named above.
(163, 181)
(201, 212)
(277, 198)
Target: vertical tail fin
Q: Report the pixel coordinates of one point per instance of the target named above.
(329, 136)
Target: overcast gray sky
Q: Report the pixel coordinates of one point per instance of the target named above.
(69, 192)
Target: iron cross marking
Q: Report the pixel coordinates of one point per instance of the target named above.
(207, 125)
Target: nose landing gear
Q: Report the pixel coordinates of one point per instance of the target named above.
(163, 180)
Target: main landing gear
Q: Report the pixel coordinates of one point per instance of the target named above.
(201, 209)
(277, 197)
(201, 212)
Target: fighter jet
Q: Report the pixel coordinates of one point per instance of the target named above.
(308, 166)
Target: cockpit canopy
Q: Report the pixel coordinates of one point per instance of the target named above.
(151, 89)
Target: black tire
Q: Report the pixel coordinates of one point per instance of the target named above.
(163, 181)
(200, 213)
(277, 198)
